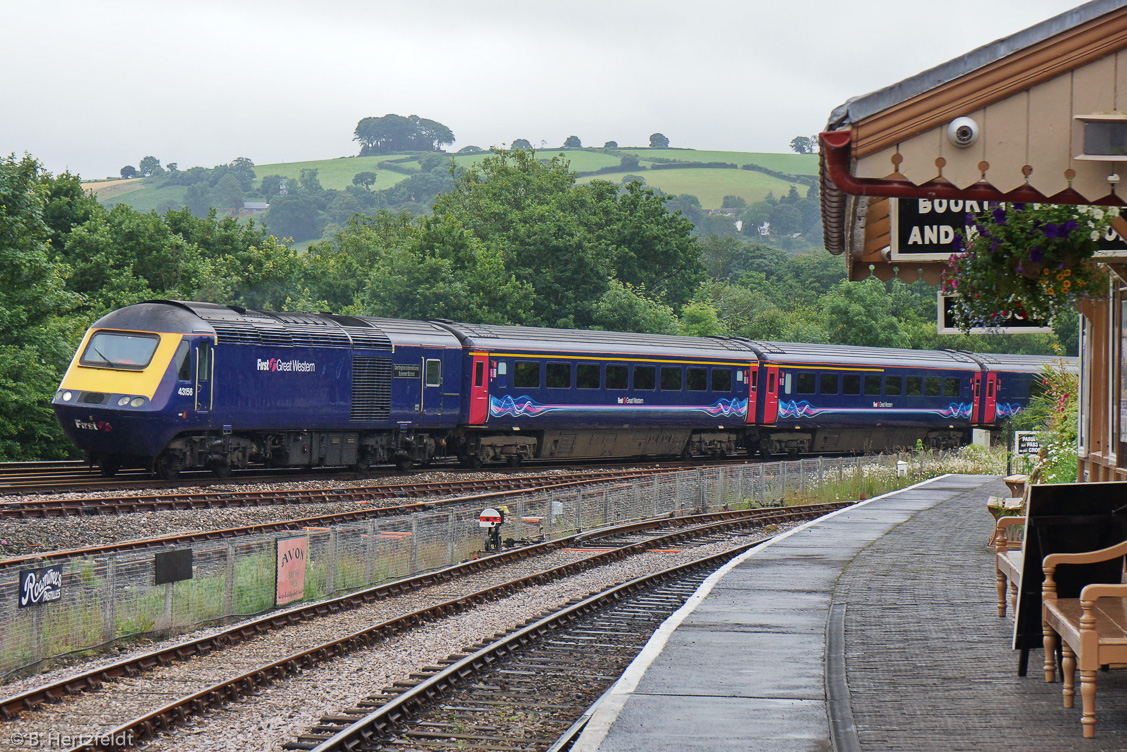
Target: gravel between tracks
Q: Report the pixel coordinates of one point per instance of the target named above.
(280, 712)
(37, 535)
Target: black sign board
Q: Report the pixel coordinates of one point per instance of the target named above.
(1012, 325)
(1066, 518)
(173, 566)
(925, 229)
(40, 586)
(1027, 443)
(406, 370)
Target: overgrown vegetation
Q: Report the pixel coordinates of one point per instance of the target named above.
(1052, 412)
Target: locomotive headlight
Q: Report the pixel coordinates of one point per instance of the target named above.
(67, 396)
(137, 401)
(123, 402)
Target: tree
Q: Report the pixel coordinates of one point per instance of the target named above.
(610, 145)
(150, 166)
(803, 144)
(365, 179)
(629, 162)
(129, 171)
(658, 141)
(572, 142)
(734, 202)
(391, 133)
(294, 216)
(522, 143)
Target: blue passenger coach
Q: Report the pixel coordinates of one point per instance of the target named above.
(567, 394)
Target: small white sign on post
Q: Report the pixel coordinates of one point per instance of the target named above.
(489, 518)
(1027, 443)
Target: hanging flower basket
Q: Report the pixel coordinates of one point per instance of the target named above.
(1026, 260)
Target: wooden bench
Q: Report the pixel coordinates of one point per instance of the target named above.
(1007, 562)
(1092, 629)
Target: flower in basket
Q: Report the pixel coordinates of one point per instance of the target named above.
(1029, 261)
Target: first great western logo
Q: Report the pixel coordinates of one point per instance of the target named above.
(275, 365)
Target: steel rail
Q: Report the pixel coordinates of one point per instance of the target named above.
(382, 721)
(358, 515)
(233, 636)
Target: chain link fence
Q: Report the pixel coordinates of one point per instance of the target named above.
(107, 597)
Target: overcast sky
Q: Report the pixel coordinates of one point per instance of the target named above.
(93, 86)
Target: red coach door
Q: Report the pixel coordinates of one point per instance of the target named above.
(770, 386)
(479, 389)
(976, 406)
(990, 404)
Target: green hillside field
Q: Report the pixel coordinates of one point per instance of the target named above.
(709, 185)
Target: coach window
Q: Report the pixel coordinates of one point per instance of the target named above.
(617, 377)
(805, 382)
(872, 384)
(183, 363)
(893, 386)
(950, 387)
(587, 376)
(479, 373)
(558, 375)
(696, 379)
(913, 386)
(932, 386)
(502, 367)
(722, 379)
(434, 373)
(827, 383)
(645, 377)
(526, 375)
(670, 379)
(851, 383)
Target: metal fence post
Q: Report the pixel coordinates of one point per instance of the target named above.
(109, 613)
(229, 581)
(414, 544)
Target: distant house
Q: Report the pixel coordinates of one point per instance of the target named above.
(255, 207)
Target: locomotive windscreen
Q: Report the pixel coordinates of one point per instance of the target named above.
(120, 350)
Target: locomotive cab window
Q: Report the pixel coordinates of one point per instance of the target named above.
(617, 377)
(587, 376)
(894, 386)
(950, 387)
(183, 363)
(872, 384)
(670, 379)
(827, 383)
(122, 350)
(526, 375)
(806, 382)
(558, 375)
(696, 379)
(434, 373)
(645, 377)
(722, 379)
(851, 383)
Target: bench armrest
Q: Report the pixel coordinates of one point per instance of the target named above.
(1099, 590)
(1052, 561)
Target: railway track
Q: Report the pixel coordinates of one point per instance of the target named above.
(285, 644)
(525, 690)
(228, 497)
(494, 489)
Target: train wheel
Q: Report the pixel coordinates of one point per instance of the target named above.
(514, 460)
(220, 468)
(472, 461)
(687, 454)
(108, 467)
(168, 465)
(403, 463)
(765, 449)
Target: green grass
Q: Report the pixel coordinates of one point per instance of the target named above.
(710, 186)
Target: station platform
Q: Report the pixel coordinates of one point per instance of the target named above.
(874, 628)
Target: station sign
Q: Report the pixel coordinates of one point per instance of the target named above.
(926, 229)
(1027, 443)
(1015, 324)
(38, 586)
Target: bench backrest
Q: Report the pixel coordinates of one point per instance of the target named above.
(1066, 518)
